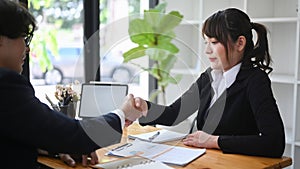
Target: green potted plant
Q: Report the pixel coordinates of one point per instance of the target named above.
(153, 33)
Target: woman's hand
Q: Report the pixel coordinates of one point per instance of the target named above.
(201, 139)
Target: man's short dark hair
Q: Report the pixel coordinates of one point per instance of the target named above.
(15, 20)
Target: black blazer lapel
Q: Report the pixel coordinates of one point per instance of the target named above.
(205, 99)
(240, 82)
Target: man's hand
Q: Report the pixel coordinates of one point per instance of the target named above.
(93, 159)
(85, 159)
(67, 159)
(139, 104)
(131, 112)
(128, 122)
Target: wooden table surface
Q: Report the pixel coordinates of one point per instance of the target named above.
(211, 159)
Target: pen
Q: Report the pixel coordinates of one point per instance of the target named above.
(122, 147)
(55, 107)
(154, 136)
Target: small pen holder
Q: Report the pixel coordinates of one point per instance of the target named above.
(69, 110)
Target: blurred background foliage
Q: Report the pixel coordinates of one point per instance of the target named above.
(56, 18)
(52, 16)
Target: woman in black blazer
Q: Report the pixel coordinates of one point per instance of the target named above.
(237, 112)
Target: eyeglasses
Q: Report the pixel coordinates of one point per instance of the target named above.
(28, 39)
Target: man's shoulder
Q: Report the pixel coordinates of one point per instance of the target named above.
(9, 76)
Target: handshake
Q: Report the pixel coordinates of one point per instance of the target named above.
(133, 108)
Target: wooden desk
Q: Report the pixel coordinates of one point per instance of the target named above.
(214, 159)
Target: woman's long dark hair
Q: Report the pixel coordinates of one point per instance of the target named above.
(227, 25)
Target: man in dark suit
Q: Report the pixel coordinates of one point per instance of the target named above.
(28, 124)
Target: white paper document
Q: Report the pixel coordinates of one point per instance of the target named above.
(133, 163)
(159, 136)
(160, 152)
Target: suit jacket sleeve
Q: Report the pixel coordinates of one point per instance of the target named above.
(270, 139)
(28, 121)
(179, 110)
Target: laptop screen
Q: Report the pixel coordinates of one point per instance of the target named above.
(101, 98)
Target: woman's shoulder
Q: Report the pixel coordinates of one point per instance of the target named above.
(253, 74)
(253, 71)
(258, 72)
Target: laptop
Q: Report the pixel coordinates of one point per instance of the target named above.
(100, 98)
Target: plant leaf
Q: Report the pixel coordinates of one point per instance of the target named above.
(161, 7)
(156, 53)
(154, 71)
(154, 94)
(152, 17)
(141, 32)
(168, 63)
(170, 79)
(168, 46)
(169, 21)
(142, 39)
(154, 34)
(166, 37)
(134, 53)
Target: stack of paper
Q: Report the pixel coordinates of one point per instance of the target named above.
(159, 152)
(159, 136)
